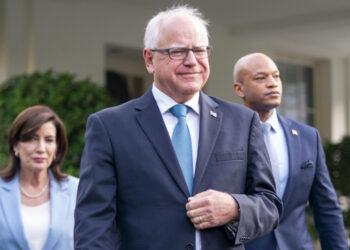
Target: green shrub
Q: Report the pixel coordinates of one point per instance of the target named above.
(338, 162)
(73, 100)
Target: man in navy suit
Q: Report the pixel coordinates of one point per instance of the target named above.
(301, 172)
(135, 191)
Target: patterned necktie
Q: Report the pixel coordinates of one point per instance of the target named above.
(181, 140)
(272, 154)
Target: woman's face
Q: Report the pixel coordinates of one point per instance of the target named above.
(38, 151)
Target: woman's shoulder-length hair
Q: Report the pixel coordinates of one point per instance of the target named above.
(24, 126)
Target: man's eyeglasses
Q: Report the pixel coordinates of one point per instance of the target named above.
(180, 53)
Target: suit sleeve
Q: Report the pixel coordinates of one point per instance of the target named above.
(260, 207)
(324, 205)
(95, 213)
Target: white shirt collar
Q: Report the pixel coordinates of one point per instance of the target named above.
(165, 102)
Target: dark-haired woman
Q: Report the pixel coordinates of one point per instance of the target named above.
(36, 199)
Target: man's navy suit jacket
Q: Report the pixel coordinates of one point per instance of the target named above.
(132, 186)
(308, 181)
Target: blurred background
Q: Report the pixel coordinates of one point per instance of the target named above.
(79, 56)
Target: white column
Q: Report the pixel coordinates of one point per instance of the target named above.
(338, 98)
(347, 91)
(322, 100)
(15, 28)
(2, 42)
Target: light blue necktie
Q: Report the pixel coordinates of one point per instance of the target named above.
(272, 154)
(182, 143)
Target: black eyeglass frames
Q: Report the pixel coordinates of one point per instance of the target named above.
(180, 53)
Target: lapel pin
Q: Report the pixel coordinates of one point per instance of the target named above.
(294, 132)
(212, 113)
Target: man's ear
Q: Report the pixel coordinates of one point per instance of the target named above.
(239, 89)
(148, 57)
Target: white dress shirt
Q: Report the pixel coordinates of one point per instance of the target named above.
(278, 140)
(165, 103)
(36, 224)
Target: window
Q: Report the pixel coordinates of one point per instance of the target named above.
(298, 99)
(126, 75)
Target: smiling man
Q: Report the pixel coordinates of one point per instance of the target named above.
(175, 168)
(297, 160)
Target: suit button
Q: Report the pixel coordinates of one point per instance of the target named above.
(189, 247)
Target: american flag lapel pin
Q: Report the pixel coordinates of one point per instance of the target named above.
(294, 132)
(212, 113)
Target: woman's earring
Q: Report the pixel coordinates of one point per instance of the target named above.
(17, 154)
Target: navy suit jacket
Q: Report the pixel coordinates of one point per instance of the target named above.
(308, 181)
(132, 186)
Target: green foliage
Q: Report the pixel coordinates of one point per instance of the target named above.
(73, 100)
(338, 162)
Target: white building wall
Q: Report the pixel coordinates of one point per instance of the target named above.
(14, 40)
(347, 93)
(322, 90)
(2, 42)
(71, 36)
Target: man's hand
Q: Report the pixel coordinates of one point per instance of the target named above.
(211, 209)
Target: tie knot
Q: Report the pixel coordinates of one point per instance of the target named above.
(179, 110)
(266, 127)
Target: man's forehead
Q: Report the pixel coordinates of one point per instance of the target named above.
(182, 39)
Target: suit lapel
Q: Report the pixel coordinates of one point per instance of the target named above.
(11, 204)
(210, 123)
(58, 211)
(151, 122)
(293, 144)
